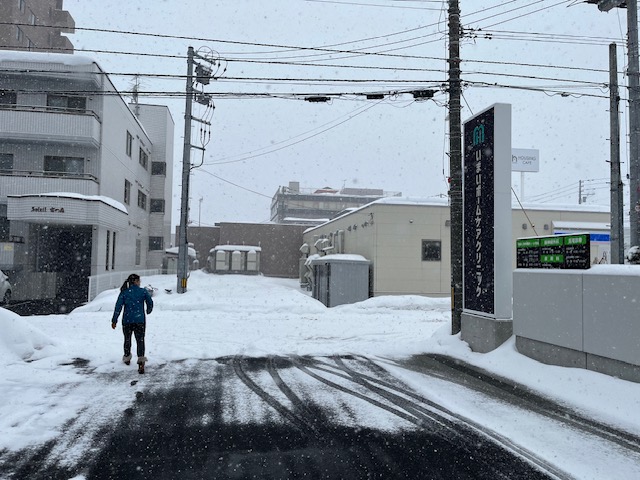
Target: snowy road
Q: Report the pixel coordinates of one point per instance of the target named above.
(313, 417)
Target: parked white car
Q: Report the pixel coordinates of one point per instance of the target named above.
(5, 289)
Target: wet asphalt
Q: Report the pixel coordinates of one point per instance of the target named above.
(189, 424)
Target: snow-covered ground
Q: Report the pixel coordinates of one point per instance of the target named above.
(257, 316)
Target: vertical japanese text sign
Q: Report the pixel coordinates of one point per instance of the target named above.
(487, 264)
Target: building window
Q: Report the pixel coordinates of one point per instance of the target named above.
(8, 99)
(138, 250)
(106, 262)
(32, 18)
(67, 102)
(64, 165)
(6, 162)
(4, 224)
(19, 34)
(113, 252)
(21, 5)
(156, 205)
(142, 200)
(129, 147)
(143, 158)
(156, 243)
(158, 168)
(30, 44)
(431, 250)
(127, 192)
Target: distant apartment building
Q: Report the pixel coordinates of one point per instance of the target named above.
(85, 183)
(313, 206)
(35, 25)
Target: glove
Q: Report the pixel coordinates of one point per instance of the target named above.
(113, 325)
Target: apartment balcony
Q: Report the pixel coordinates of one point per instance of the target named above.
(18, 182)
(42, 124)
(64, 21)
(62, 44)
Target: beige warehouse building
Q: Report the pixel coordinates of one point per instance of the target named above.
(408, 240)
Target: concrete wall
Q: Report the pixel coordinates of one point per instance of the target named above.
(583, 319)
(159, 125)
(280, 244)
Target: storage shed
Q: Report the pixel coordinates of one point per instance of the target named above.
(340, 279)
(243, 259)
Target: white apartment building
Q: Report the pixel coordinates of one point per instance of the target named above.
(85, 183)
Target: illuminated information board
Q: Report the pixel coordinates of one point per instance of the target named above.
(557, 251)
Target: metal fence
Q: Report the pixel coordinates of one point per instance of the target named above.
(107, 281)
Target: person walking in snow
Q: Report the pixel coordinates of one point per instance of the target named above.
(133, 298)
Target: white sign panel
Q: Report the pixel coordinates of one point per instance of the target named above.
(525, 160)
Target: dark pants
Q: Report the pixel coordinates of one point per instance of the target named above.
(138, 330)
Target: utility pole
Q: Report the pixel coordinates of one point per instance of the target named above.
(617, 202)
(203, 75)
(579, 192)
(183, 247)
(634, 122)
(634, 111)
(455, 166)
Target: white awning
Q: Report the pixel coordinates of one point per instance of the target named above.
(67, 209)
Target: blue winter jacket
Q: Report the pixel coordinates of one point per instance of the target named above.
(133, 300)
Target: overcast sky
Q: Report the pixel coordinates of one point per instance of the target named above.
(556, 49)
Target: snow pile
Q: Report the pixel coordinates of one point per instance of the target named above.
(19, 339)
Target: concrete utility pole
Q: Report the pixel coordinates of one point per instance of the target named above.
(455, 166)
(634, 110)
(183, 252)
(634, 121)
(617, 202)
(203, 75)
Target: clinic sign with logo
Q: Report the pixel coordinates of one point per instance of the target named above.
(487, 213)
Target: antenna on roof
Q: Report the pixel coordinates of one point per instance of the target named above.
(135, 89)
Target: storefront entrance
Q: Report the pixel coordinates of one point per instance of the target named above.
(65, 251)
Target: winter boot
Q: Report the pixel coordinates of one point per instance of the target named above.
(141, 362)
(126, 359)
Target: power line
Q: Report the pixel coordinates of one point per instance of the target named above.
(272, 150)
(346, 80)
(234, 184)
(213, 40)
(533, 89)
(171, 76)
(372, 5)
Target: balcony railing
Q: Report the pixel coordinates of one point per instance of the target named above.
(24, 182)
(49, 124)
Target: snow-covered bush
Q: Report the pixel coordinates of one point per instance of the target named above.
(633, 255)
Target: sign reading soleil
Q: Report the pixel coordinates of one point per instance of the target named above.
(47, 209)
